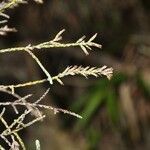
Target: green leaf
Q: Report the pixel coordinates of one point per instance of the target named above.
(112, 106)
(91, 106)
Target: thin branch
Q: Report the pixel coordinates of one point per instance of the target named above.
(20, 141)
(56, 44)
(56, 110)
(72, 70)
(41, 66)
(10, 4)
(4, 30)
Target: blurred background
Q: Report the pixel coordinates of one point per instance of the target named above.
(116, 113)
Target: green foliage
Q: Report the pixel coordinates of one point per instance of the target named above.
(93, 137)
(102, 93)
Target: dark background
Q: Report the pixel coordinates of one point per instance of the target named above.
(116, 113)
